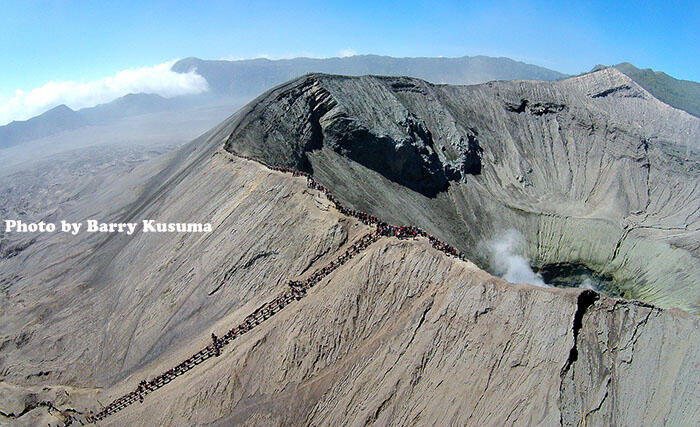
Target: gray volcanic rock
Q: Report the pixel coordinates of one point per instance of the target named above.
(401, 334)
(406, 336)
(592, 170)
(391, 141)
(682, 94)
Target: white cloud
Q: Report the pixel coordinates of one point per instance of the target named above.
(344, 53)
(158, 79)
(289, 55)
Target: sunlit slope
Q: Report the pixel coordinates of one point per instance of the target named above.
(592, 170)
(682, 94)
(401, 333)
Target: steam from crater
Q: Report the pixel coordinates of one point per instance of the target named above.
(506, 261)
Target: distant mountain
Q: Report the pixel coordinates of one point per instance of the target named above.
(249, 78)
(62, 118)
(682, 94)
(57, 119)
(132, 104)
(254, 76)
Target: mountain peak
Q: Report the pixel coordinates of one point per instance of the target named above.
(57, 119)
(62, 109)
(681, 94)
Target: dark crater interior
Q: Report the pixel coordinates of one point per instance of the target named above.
(567, 275)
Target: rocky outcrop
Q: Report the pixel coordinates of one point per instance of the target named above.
(314, 113)
(593, 170)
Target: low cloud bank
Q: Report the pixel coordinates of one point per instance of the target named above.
(158, 79)
(506, 260)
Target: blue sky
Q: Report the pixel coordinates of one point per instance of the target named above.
(60, 40)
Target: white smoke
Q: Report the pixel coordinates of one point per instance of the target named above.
(506, 260)
(587, 283)
(158, 79)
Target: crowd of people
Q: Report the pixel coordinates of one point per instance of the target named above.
(383, 227)
(296, 291)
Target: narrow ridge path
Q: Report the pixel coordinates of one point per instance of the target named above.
(297, 290)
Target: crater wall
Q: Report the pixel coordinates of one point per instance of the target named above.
(592, 170)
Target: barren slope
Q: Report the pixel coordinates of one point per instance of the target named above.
(399, 334)
(592, 170)
(405, 335)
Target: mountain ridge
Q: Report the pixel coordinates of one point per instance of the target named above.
(414, 143)
(682, 94)
(250, 77)
(57, 119)
(266, 73)
(400, 333)
(62, 118)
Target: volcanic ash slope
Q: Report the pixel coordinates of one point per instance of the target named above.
(592, 170)
(400, 334)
